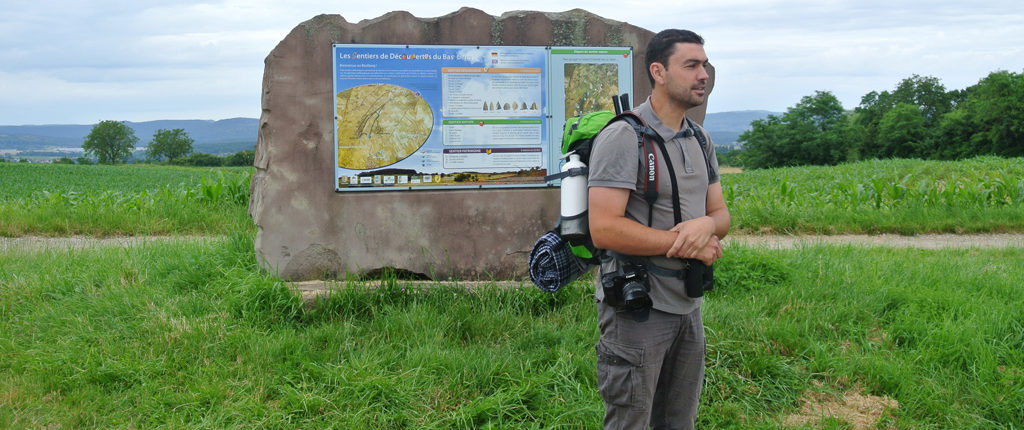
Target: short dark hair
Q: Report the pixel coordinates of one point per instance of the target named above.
(663, 45)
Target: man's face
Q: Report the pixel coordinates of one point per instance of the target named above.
(685, 75)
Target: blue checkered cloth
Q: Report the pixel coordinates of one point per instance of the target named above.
(552, 263)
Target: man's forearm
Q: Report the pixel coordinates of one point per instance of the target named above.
(610, 229)
(722, 221)
(629, 237)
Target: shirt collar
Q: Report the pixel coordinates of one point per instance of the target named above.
(646, 113)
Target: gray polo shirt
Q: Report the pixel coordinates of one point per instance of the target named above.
(615, 163)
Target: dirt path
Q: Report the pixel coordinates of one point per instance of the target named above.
(37, 243)
(924, 241)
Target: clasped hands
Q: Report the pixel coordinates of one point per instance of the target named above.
(696, 239)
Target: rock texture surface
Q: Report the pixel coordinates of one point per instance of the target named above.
(306, 231)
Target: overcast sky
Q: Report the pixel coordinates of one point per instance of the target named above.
(79, 62)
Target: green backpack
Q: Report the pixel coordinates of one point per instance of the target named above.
(578, 137)
(580, 131)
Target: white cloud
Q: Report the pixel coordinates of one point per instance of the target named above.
(70, 61)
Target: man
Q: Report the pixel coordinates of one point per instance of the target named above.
(650, 373)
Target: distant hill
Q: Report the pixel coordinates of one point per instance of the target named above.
(225, 136)
(229, 136)
(725, 127)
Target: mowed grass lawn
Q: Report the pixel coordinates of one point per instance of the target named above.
(191, 334)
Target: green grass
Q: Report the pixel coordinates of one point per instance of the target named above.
(23, 179)
(984, 194)
(97, 200)
(190, 334)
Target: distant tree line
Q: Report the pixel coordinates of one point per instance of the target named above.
(919, 119)
(112, 142)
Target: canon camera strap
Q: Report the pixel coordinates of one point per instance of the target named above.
(647, 138)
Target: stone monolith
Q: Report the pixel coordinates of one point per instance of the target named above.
(307, 231)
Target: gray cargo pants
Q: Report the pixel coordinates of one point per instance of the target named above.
(650, 374)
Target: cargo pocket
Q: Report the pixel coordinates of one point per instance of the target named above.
(620, 374)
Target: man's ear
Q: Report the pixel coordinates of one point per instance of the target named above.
(658, 72)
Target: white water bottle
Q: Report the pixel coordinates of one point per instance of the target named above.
(574, 224)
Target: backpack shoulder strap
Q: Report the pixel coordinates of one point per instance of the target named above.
(703, 141)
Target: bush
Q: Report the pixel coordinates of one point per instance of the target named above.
(83, 160)
(243, 158)
(64, 160)
(201, 160)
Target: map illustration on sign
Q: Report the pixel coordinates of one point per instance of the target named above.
(380, 124)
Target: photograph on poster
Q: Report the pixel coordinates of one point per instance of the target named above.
(584, 80)
(590, 87)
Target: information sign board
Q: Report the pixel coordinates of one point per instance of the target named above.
(427, 117)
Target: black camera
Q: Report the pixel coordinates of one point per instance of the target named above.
(698, 278)
(628, 289)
